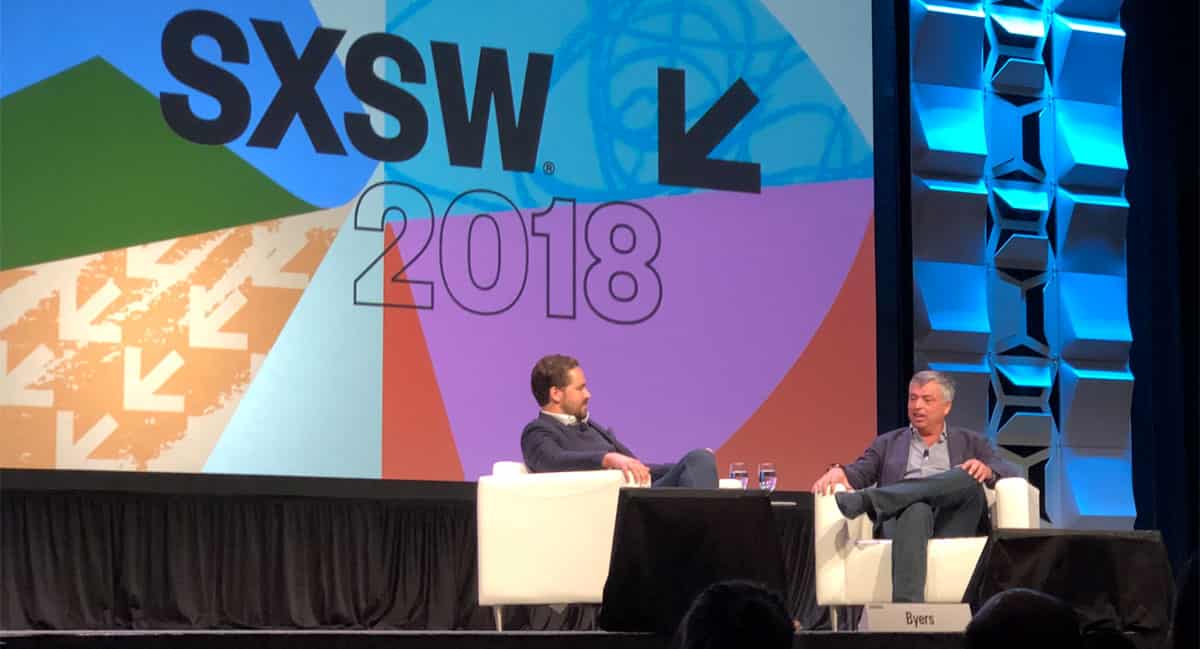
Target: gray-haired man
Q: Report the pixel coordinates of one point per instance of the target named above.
(927, 479)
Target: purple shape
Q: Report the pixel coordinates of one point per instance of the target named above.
(746, 281)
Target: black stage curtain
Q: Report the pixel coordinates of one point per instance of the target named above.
(795, 528)
(671, 544)
(88, 559)
(1114, 580)
(452, 640)
(107, 561)
(1161, 139)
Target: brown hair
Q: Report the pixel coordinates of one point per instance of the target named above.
(550, 371)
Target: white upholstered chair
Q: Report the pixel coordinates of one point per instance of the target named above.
(545, 538)
(855, 569)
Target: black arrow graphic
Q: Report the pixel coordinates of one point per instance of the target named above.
(683, 154)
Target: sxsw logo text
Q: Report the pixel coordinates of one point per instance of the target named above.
(683, 152)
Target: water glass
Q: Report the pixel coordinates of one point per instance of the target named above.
(738, 471)
(766, 476)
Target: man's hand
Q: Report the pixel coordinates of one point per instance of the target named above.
(977, 470)
(634, 470)
(834, 476)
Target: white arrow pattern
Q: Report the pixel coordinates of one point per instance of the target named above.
(205, 321)
(275, 247)
(43, 303)
(71, 454)
(14, 386)
(140, 391)
(76, 322)
(142, 261)
(22, 297)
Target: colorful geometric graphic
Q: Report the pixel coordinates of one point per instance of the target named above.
(332, 241)
(136, 358)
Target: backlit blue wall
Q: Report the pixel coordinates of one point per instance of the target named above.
(1018, 238)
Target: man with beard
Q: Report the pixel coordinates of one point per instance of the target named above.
(564, 438)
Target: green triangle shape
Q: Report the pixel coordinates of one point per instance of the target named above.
(87, 164)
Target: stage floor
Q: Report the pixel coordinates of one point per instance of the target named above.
(293, 639)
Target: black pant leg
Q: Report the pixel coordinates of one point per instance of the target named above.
(914, 511)
(697, 469)
(942, 490)
(962, 516)
(910, 533)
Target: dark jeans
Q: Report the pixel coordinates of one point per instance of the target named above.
(913, 511)
(697, 469)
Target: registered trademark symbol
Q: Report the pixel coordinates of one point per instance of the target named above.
(548, 168)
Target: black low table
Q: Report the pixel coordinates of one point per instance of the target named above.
(1118, 579)
(670, 544)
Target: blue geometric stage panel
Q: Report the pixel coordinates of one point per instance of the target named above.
(1018, 222)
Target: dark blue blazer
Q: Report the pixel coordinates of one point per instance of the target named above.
(886, 460)
(549, 445)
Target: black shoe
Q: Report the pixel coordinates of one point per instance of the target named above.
(853, 504)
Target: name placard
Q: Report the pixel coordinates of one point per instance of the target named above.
(916, 618)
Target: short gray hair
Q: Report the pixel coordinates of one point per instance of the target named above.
(925, 377)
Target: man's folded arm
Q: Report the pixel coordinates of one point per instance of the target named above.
(864, 471)
(612, 437)
(1000, 467)
(622, 449)
(543, 453)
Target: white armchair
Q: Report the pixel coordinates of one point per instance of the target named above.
(545, 538)
(853, 568)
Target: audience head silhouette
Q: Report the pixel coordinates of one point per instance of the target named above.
(733, 615)
(1020, 617)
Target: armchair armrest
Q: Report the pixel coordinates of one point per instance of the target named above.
(833, 537)
(509, 468)
(1017, 504)
(826, 514)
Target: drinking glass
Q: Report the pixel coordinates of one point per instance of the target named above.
(766, 476)
(738, 471)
